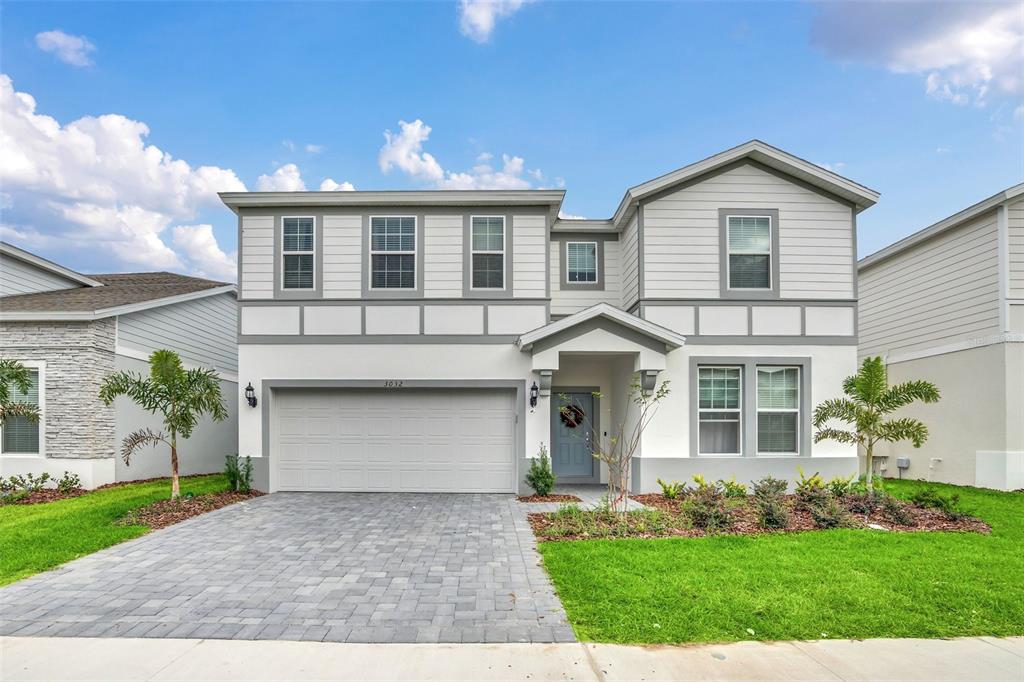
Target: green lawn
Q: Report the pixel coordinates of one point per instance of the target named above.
(836, 583)
(37, 537)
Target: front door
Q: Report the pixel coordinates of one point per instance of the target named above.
(571, 433)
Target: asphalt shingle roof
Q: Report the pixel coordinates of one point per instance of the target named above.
(117, 290)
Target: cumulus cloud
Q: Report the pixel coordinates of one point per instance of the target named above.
(404, 151)
(329, 185)
(287, 178)
(199, 247)
(73, 50)
(966, 51)
(477, 18)
(95, 185)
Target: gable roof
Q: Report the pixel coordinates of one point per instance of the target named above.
(113, 294)
(943, 225)
(607, 311)
(12, 251)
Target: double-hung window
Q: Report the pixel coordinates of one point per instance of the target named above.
(720, 411)
(298, 244)
(20, 435)
(580, 262)
(488, 252)
(393, 252)
(749, 240)
(778, 410)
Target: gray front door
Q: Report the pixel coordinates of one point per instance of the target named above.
(571, 455)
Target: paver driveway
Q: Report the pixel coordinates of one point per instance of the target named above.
(357, 567)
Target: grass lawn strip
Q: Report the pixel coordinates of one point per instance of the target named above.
(38, 537)
(843, 583)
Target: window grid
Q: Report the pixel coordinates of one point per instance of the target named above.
(720, 409)
(393, 252)
(749, 243)
(778, 410)
(581, 262)
(19, 435)
(487, 252)
(298, 248)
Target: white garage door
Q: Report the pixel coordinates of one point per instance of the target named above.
(414, 440)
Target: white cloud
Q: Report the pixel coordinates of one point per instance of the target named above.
(836, 167)
(942, 150)
(570, 216)
(200, 248)
(404, 151)
(95, 185)
(288, 144)
(967, 51)
(314, 148)
(73, 50)
(477, 18)
(329, 185)
(287, 178)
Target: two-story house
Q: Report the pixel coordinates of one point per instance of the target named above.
(424, 340)
(946, 304)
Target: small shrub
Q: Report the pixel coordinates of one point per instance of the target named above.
(896, 511)
(830, 514)
(732, 489)
(769, 503)
(648, 520)
(770, 487)
(29, 483)
(238, 471)
(68, 482)
(540, 476)
(673, 490)
(810, 491)
(840, 486)
(862, 502)
(706, 507)
(931, 498)
(231, 471)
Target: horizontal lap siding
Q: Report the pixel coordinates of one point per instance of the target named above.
(202, 332)
(937, 292)
(19, 277)
(442, 267)
(1015, 222)
(681, 237)
(257, 246)
(629, 254)
(342, 245)
(568, 301)
(530, 243)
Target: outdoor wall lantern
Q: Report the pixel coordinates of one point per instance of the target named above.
(250, 395)
(534, 392)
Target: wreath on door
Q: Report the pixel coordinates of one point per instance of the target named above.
(572, 416)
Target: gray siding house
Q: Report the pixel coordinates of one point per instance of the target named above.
(947, 304)
(72, 330)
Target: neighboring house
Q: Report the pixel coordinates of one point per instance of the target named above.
(947, 304)
(393, 340)
(72, 330)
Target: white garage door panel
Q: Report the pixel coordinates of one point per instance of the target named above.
(413, 440)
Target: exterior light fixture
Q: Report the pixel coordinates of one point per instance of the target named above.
(534, 392)
(250, 395)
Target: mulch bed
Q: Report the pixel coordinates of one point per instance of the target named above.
(549, 498)
(47, 495)
(168, 512)
(745, 522)
(121, 484)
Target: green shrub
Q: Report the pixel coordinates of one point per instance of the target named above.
(769, 503)
(840, 486)
(830, 514)
(931, 498)
(810, 491)
(896, 511)
(69, 482)
(862, 502)
(706, 507)
(732, 489)
(648, 520)
(673, 490)
(238, 471)
(540, 476)
(29, 483)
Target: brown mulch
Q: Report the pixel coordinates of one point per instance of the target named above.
(48, 495)
(549, 498)
(168, 512)
(120, 484)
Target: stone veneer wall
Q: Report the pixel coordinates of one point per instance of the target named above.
(78, 355)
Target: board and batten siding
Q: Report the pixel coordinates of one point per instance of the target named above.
(202, 331)
(569, 301)
(19, 277)
(529, 256)
(1015, 243)
(257, 273)
(941, 291)
(442, 256)
(681, 237)
(629, 252)
(342, 246)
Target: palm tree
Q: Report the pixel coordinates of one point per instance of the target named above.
(869, 399)
(180, 396)
(16, 375)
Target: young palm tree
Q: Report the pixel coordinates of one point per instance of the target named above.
(869, 399)
(180, 396)
(16, 375)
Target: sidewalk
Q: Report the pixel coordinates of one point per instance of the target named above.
(30, 658)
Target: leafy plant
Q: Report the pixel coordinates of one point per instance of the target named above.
(15, 376)
(769, 503)
(869, 399)
(238, 471)
(931, 498)
(540, 475)
(810, 490)
(840, 486)
(673, 490)
(830, 514)
(863, 502)
(69, 482)
(178, 395)
(732, 489)
(706, 507)
(896, 511)
(29, 482)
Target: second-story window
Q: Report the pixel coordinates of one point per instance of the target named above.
(393, 252)
(750, 252)
(488, 252)
(297, 246)
(581, 262)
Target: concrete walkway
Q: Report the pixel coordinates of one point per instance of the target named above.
(39, 658)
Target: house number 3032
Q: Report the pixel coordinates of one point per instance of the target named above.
(392, 383)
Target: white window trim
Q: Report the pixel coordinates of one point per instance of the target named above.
(597, 264)
(758, 410)
(769, 253)
(503, 252)
(371, 253)
(738, 411)
(298, 253)
(39, 366)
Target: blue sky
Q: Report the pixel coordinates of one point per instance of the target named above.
(922, 102)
